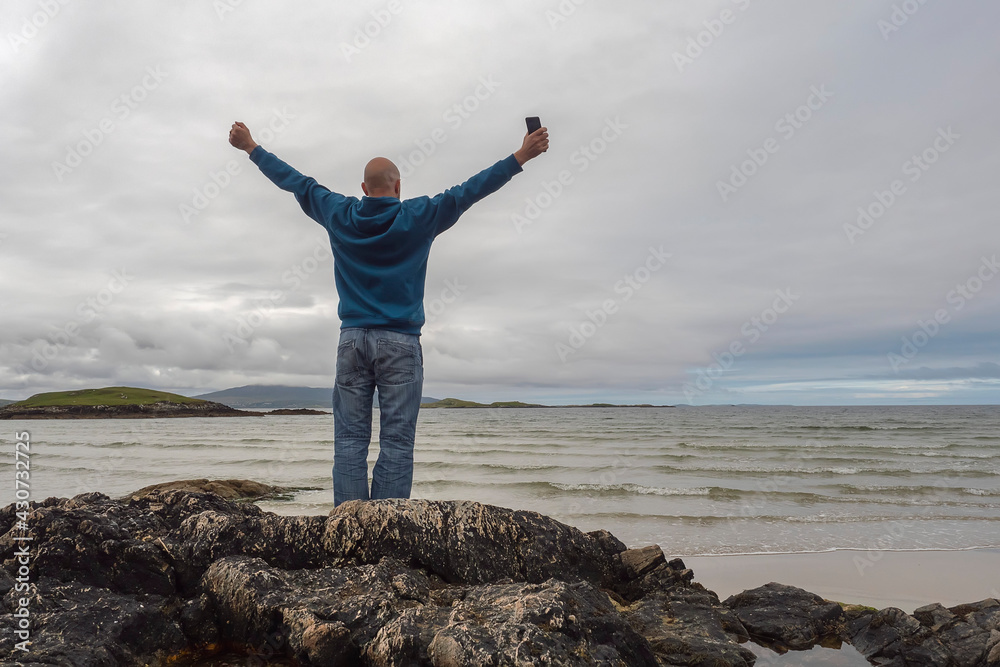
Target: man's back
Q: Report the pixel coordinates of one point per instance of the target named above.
(381, 244)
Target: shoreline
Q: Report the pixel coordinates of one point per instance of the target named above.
(906, 579)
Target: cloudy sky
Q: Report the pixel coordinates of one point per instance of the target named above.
(743, 202)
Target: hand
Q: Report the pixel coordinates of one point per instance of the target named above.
(534, 145)
(239, 136)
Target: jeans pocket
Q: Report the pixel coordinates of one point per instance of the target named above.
(350, 371)
(396, 362)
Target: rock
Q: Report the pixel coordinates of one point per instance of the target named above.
(662, 579)
(467, 542)
(550, 623)
(405, 640)
(177, 571)
(787, 617)
(966, 643)
(973, 636)
(608, 543)
(333, 611)
(993, 658)
(286, 542)
(80, 624)
(79, 544)
(684, 622)
(987, 619)
(853, 612)
(987, 605)
(689, 629)
(198, 621)
(230, 489)
(216, 564)
(893, 637)
(934, 616)
(965, 634)
(639, 562)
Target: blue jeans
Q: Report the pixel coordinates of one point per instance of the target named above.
(393, 362)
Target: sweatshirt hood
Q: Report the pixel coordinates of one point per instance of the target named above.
(376, 211)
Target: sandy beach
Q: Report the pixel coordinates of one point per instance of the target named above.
(903, 579)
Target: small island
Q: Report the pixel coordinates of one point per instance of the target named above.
(116, 403)
(459, 403)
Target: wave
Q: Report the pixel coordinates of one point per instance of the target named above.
(750, 498)
(721, 553)
(981, 492)
(762, 496)
(533, 451)
(860, 427)
(738, 471)
(549, 488)
(105, 445)
(714, 519)
(881, 447)
(268, 461)
(513, 467)
(171, 445)
(523, 466)
(711, 491)
(921, 490)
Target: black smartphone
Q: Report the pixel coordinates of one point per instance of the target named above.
(533, 123)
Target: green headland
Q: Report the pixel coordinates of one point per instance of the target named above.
(105, 396)
(116, 403)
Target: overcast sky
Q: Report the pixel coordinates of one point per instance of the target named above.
(693, 234)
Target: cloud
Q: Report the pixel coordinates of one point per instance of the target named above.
(135, 102)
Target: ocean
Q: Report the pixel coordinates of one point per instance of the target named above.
(695, 480)
(844, 488)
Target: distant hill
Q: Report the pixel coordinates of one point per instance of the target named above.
(271, 396)
(6, 401)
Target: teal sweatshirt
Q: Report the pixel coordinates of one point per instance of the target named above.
(381, 244)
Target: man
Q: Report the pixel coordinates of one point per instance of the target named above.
(380, 248)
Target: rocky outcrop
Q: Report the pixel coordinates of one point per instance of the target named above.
(156, 410)
(467, 542)
(968, 634)
(786, 617)
(230, 489)
(170, 572)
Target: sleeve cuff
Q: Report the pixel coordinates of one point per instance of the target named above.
(515, 166)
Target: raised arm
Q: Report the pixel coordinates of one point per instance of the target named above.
(534, 144)
(455, 201)
(316, 200)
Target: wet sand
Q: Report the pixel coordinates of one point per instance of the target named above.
(903, 579)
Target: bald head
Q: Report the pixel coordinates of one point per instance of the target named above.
(381, 178)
